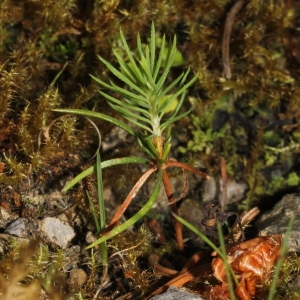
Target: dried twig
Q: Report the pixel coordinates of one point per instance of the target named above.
(227, 34)
(224, 184)
(183, 278)
(245, 218)
(99, 136)
(185, 188)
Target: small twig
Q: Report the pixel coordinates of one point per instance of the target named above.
(99, 136)
(185, 188)
(245, 219)
(154, 258)
(173, 207)
(227, 34)
(174, 163)
(157, 230)
(192, 262)
(248, 216)
(128, 199)
(183, 278)
(224, 184)
(127, 249)
(45, 131)
(153, 261)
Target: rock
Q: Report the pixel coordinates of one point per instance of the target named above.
(235, 190)
(90, 237)
(57, 232)
(276, 220)
(78, 277)
(192, 212)
(17, 228)
(174, 293)
(116, 137)
(209, 191)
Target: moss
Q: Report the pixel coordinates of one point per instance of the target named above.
(252, 118)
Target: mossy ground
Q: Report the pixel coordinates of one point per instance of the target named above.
(251, 119)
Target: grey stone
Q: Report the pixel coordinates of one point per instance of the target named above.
(116, 137)
(192, 212)
(57, 232)
(174, 293)
(276, 220)
(17, 228)
(212, 189)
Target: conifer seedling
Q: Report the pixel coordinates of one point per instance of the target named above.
(144, 103)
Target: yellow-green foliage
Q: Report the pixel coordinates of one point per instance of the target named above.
(27, 268)
(287, 287)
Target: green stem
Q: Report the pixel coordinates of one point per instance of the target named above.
(102, 218)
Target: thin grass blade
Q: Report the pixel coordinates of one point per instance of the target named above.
(126, 68)
(279, 263)
(102, 217)
(169, 87)
(94, 214)
(105, 164)
(206, 240)
(88, 113)
(228, 269)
